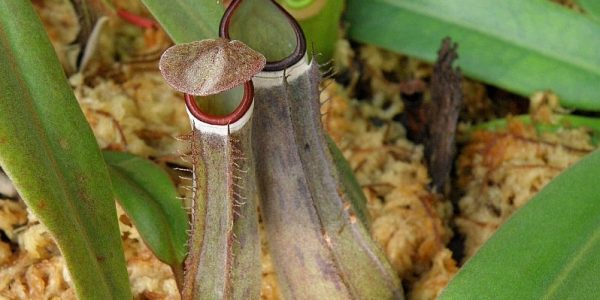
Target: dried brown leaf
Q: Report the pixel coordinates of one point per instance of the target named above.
(209, 66)
(446, 100)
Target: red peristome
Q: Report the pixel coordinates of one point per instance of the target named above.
(233, 117)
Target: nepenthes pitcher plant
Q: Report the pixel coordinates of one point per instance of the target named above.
(257, 142)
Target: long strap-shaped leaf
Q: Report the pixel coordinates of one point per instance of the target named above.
(49, 151)
(150, 199)
(321, 250)
(591, 7)
(187, 20)
(559, 122)
(523, 46)
(549, 249)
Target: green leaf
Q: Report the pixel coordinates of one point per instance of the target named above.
(564, 121)
(256, 22)
(187, 20)
(522, 46)
(549, 249)
(591, 7)
(349, 182)
(48, 150)
(149, 198)
(320, 22)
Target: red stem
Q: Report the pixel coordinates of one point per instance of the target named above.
(136, 20)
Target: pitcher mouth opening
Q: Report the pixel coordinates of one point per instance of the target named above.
(275, 65)
(230, 118)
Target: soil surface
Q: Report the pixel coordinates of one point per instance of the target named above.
(426, 235)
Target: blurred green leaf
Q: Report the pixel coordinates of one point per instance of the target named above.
(591, 7)
(188, 20)
(149, 198)
(47, 148)
(563, 121)
(349, 182)
(549, 249)
(522, 46)
(320, 21)
(261, 25)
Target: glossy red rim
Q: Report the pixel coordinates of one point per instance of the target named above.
(231, 118)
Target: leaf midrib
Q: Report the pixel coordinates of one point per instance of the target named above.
(49, 151)
(571, 263)
(188, 10)
(417, 9)
(122, 173)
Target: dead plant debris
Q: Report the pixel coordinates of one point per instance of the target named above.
(131, 109)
